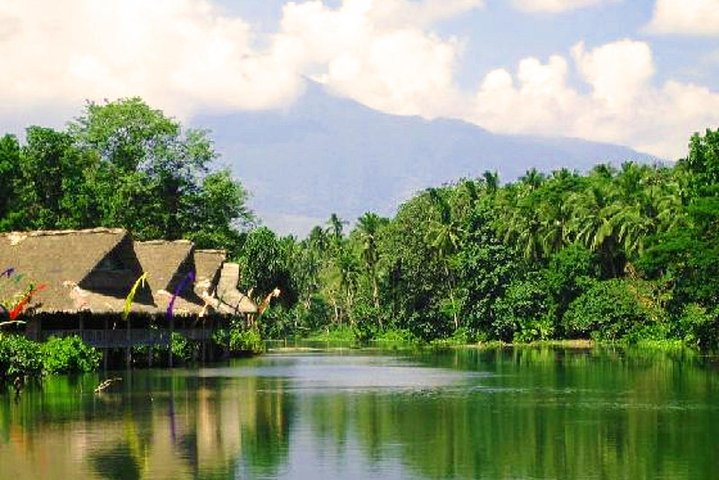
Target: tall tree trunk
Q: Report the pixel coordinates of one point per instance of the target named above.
(375, 298)
(451, 297)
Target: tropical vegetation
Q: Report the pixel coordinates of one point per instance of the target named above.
(628, 253)
(617, 254)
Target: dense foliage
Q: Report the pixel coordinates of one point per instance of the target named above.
(19, 357)
(121, 164)
(615, 254)
(625, 253)
(69, 355)
(22, 358)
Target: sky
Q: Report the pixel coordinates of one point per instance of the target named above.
(641, 73)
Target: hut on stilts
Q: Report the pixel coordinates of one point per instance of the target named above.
(87, 275)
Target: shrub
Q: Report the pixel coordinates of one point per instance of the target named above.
(238, 340)
(396, 338)
(182, 349)
(248, 341)
(335, 334)
(613, 310)
(278, 322)
(19, 357)
(69, 355)
(523, 314)
(698, 327)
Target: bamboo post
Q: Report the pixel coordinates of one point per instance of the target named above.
(169, 344)
(106, 350)
(128, 356)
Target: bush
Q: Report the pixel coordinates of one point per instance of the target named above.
(335, 334)
(613, 310)
(698, 327)
(19, 357)
(246, 341)
(182, 349)
(278, 322)
(396, 338)
(238, 340)
(523, 313)
(69, 355)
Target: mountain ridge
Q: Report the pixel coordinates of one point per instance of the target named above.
(326, 154)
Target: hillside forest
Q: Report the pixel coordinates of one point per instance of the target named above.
(626, 253)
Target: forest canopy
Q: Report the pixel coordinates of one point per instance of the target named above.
(619, 254)
(121, 164)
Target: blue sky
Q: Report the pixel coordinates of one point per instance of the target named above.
(643, 73)
(500, 34)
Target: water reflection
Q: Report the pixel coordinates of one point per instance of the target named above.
(528, 413)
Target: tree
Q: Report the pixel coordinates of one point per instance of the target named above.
(368, 229)
(491, 181)
(150, 167)
(702, 163)
(443, 237)
(214, 215)
(9, 176)
(54, 186)
(336, 225)
(265, 261)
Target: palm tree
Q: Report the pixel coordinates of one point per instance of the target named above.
(533, 178)
(519, 221)
(368, 227)
(443, 236)
(348, 276)
(491, 181)
(336, 225)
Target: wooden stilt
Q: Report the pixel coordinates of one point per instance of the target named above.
(128, 350)
(169, 345)
(106, 343)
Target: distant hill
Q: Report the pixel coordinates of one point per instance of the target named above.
(328, 154)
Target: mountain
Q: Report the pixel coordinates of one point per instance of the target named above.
(327, 154)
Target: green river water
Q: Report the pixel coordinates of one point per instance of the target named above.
(525, 413)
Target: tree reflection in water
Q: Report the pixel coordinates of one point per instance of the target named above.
(540, 413)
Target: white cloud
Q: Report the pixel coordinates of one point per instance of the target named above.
(686, 17)
(618, 72)
(621, 106)
(177, 54)
(378, 51)
(183, 55)
(556, 6)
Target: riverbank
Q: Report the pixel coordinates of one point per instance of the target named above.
(401, 340)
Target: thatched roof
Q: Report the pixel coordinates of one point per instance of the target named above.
(163, 261)
(167, 264)
(82, 269)
(207, 270)
(217, 280)
(95, 270)
(231, 299)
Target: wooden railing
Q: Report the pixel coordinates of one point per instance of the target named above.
(120, 339)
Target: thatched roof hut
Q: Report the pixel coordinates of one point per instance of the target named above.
(232, 300)
(208, 264)
(82, 269)
(94, 270)
(167, 264)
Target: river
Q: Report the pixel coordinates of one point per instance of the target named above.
(506, 413)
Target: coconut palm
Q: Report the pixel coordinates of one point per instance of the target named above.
(336, 226)
(443, 237)
(368, 227)
(491, 181)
